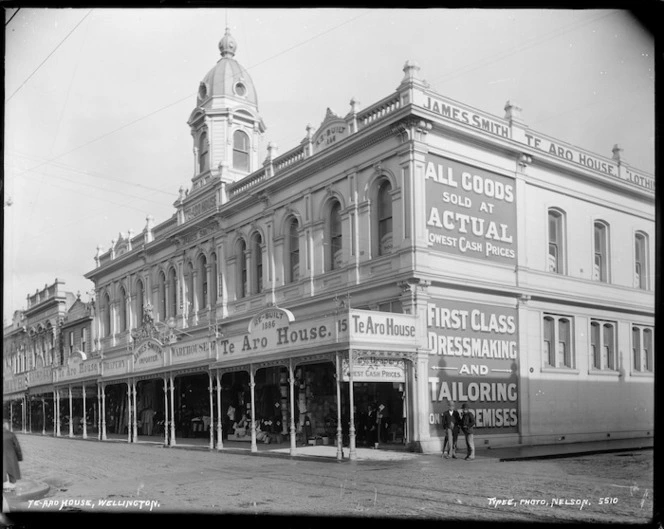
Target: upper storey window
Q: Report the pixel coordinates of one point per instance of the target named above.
(384, 212)
(203, 158)
(556, 254)
(640, 261)
(240, 151)
(335, 237)
(293, 250)
(600, 268)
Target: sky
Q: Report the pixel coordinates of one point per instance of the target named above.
(97, 101)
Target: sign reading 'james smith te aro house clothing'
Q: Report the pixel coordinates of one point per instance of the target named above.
(473, 359)
(470, 211)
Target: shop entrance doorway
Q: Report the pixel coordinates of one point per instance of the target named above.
(380, 419)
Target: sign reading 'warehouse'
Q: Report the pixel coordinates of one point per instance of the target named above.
(470, 212)
(473, 358)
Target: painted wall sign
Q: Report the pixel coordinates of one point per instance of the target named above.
(190, 352)
(199, 208)
(473, 358)
(270, 318)
(77, 368)
(470, 211)
(115, 366)
(286, 336)
(148, 355)
(389, 329)
(40, 377)
(374, 369)
(14, 385)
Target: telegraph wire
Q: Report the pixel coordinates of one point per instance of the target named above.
(191, 95)
(48, 56)
(12, 17)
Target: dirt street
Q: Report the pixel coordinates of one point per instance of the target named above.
(93, 476)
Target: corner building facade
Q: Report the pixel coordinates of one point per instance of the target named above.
(409, 253)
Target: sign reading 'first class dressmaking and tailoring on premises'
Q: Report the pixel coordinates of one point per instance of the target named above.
(470, 211)
(473, 359)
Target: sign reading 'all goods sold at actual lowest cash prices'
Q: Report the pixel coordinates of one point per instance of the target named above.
(470, 211)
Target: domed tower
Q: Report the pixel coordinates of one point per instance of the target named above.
(225, 125)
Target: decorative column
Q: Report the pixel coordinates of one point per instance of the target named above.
(351, 454)
(252, 385)
(24, 414)
(211, 388)
(129, 411)
(11, 415)
(43, 416)
(220, 440)
(340, 452)
(71, 413)
(28, 406)
(103, 412)
(172, 411)
(165, 411)
(134, 425)
(98, 417)
(85, 420)
(291, 382)
(56, 414)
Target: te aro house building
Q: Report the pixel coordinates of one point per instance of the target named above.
(407, 254)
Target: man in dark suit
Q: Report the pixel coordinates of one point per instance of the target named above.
(451, 422)
(467, 425)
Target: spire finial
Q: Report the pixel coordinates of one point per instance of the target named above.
(227, 44)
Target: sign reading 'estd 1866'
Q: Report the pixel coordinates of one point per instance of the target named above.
(470, 211)
(473, 358)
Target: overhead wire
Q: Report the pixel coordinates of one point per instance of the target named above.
(47, 57)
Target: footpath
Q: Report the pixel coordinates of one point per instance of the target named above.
(31, 490)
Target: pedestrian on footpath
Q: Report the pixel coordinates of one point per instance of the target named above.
(467, 425)
(451, 422)
(11, 455)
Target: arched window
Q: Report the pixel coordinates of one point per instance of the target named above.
(240, 151)
(140, 302)
(257, 261)
(203, 158)
(556, 256)
(202, 283)
(641, 260)
(601, 241)
(293, 251)
(161, 309)
(213, 277)
(173, 293)
(335, 237)
(384, 214)
(123, 310)
(241, 266)
(106, 311)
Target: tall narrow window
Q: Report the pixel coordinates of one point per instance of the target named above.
(202, 283)
(106, 311)
(293, 251)
(335, 237)
(213, 277)
(564, 336)
(595, 345)
(173, 293)
(161, 316)
(240, 151)
(257, 260)
(384, 212)
(241, 265)
(84, 339)
(71, 342)
(203, 158)
(556, 248)
(140, 302)
(636, 348)
(123, 309)
(647, 350)
(640, 262)
(190, 288)
(549, 336)
(600, 270)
